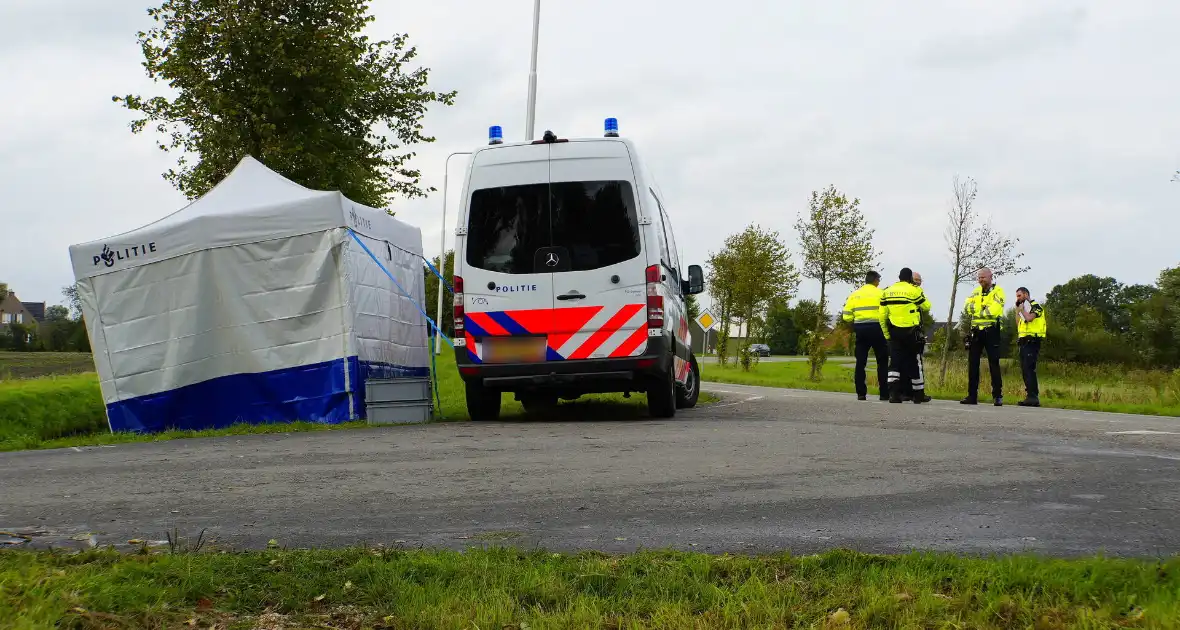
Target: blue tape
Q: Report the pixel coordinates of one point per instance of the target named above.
(400, 288)
(440, 277)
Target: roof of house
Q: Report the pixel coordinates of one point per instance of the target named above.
(10, 304)
(36, 309)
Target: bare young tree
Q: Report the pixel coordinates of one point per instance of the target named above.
(973, 244)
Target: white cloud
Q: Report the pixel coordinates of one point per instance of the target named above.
(1064, 113)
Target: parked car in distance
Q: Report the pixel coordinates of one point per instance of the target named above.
(760, 349)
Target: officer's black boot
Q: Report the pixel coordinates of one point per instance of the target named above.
(895, 393)
(970, 400)
(921, 397)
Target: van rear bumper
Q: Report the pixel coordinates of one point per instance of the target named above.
(583, 375)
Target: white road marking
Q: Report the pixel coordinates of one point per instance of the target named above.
(1142, 432)
(740, 402)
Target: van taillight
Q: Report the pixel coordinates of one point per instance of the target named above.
(458, 283)
(655, 301)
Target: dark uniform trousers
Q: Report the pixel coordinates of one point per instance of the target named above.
(908, 386)
(1030, 350)
(870, 337)
(905, 360)
(989, 339)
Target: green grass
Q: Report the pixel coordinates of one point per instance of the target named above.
(1063, 385)
(504, 588)
(64, 411)
(38, 410)
(14, 365)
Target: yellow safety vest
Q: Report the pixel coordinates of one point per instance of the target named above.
(985, 310)
(1038, 327)
(902, 306)
(863, 306)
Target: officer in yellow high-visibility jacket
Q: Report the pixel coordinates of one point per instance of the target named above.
(985, 307)
(902, 305)
(862, 310)
(1031, 329)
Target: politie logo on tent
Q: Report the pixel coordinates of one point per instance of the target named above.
(109, 256)
(359, 222)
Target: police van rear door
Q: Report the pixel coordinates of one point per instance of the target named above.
(508, 288)
(599, 291)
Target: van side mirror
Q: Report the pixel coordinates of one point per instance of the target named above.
(696, 281)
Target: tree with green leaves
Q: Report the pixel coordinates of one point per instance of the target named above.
(70, 293)
(295, 84)
(973, 244)
(1111, 299)
(837, 246)
(721, 277)
(692, 307)
(57, 313)
(1156, 322)
(752, 271)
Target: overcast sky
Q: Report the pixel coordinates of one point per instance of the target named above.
(1064, 111)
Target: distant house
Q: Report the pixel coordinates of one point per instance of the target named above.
(707, 343)
(13, 311)
(36, 309)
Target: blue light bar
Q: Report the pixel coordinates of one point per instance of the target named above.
(612, 128)
(495, 135)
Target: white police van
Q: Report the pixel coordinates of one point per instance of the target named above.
(568, 279)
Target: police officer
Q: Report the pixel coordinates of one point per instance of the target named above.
(907, 388)
(902, 305)
(862, 310)
(985, 307)
(1031, 328)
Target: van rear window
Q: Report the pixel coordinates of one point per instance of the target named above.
(594, 222)
(507, 226)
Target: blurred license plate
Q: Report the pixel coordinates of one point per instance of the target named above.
(514, 349)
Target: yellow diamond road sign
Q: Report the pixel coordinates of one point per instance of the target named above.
(706, 320)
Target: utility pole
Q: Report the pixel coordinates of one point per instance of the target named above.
(530, 116)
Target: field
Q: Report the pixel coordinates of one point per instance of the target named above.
(65, 409)
(1064, 385)
(17, 365)
(502, 588)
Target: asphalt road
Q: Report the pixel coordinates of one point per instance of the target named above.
(838, 358)
(763, 470)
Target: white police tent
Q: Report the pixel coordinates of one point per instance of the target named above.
(255, 303)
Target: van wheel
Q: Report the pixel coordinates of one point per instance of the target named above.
(483, 404)
(661, 396)
(686, 396)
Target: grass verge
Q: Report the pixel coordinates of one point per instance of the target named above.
(504, 588)
(1063, 385)
(64, 411)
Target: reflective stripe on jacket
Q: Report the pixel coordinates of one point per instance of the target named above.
(985, 309)
(1037, 327)
(902, 305)
(863, 305)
